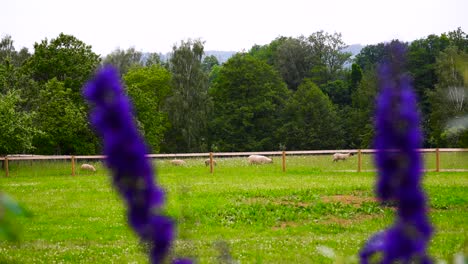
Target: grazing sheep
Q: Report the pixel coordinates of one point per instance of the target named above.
(177, 162)
(88, 167)
(341, 156)
(207, 162)
(259, 159)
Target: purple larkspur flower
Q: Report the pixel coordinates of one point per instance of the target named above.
(398, 137)
(125, 153)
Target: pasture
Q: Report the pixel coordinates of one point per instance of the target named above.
(242, 213)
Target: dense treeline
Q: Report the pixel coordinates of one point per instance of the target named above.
(293, 93)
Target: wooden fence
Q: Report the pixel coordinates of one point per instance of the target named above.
(212, 155)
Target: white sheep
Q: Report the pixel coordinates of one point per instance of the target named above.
(341, 156)
(177, 162)
(88, 167)
(207, 162)
(259, 159)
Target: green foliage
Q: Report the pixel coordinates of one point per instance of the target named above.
(248, 96)
(13, 78)
(7, 77)
(188, 105)
(370, 56)
(8, 52)
(459, 39)
(311, 121)
(268, 52)
(65, 58)
(153, 59)
(209, 62)
(123, 60)
(213, 74)
(64, 122)
(358, 118)
(338, 91)
(422, 56)
(327, 56)
(449, 100)
(148, 87)
(318, 56)
(16, 126)
(355, 78)
(293, 61)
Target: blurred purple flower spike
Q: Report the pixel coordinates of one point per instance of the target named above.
(133, 175)
(398, 137)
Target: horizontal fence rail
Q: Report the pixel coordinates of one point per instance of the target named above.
(211, 155)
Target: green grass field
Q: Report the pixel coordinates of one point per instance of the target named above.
(252, 214)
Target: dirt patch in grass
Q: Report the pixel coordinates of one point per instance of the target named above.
(330, 220)
(261, 200)
(348, 221)
(355, 201)
(300, 204)
(284, 225)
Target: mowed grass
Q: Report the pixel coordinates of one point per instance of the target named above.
(250, 214)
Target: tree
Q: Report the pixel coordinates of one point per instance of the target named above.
(459, 39)
(422, 54)
(7, 49)
(249, 97)
(64, 123)
(13, 78)
(209, 62)
(311, 121)
(7, 77)
(188, 105)
(318, 56)
(16, 126)
(123, 60)
(21, 57)
(327, 56)
(65, 58)
(449, 100)
(268, 52)
(355, 78)
(357, 119)
(8, 52)
(293, 61)
(370, 56)
(338, 92)
(153, 59)
(213, 74)
(148, 87)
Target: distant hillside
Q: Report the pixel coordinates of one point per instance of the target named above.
(223, 56)
(354, 49)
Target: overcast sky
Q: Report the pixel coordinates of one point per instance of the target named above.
(230, 25)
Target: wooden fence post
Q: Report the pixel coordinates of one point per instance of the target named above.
(6, 167)
(437, 160)
(211, 162)
(359, 161)
(284, 161)
(73, 165)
